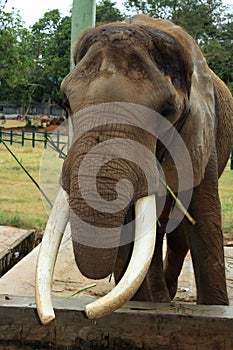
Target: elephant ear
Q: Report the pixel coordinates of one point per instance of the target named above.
(198, 131)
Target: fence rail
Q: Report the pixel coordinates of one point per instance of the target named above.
(33, 137)
(58, 139)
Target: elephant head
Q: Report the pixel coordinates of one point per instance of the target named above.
(128, 79)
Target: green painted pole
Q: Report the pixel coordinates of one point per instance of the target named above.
(83, 17)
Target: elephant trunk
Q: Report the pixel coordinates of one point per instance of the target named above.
(95, 230)
(107, 170)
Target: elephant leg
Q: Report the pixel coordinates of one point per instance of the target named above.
(122, 261)
(206, 239)
(177, 248)
(154, 287)
(125, 250)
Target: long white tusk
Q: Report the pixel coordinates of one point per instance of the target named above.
(47, 256)
(145, 235)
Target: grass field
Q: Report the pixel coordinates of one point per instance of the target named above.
(226, 196)
(21, 203)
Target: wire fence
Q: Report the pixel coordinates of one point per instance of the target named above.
(33, 137)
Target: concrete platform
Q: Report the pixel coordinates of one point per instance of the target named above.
(68, 280)
(178, 325)
(15, 243)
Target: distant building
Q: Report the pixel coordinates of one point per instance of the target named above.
(7, 107)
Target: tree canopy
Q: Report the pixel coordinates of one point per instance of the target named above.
(14, 59)
(106, 11)
(34, 61)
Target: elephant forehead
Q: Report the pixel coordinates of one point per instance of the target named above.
(139, 34)
(138, 48)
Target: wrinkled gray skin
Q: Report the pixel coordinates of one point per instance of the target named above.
(155, 64)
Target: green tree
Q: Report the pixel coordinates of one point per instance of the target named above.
(106, 11)
(198, 17)
(219, 50)
(51, 51)
(14, 59)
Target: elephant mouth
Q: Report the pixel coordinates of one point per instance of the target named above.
(145, 235)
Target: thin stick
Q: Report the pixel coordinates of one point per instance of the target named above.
(178, 202)
(82, 289)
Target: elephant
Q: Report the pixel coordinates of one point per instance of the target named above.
(139, 86)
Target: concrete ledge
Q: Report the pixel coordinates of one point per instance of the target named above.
(146, 326)
(175, 326)
(14, 245)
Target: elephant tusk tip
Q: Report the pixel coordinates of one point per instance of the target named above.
(46, 316)
(89, 314)
(96, 310)
(47, 319)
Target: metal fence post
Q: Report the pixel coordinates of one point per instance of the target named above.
(22, 139)
(58, 138)
(45, 139)
(11, 137)
(33, 138)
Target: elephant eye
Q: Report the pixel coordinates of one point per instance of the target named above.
(82, 52)
(168, 110)
(66, 106)
(157, 59)
(79, 54)
(83, 46)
